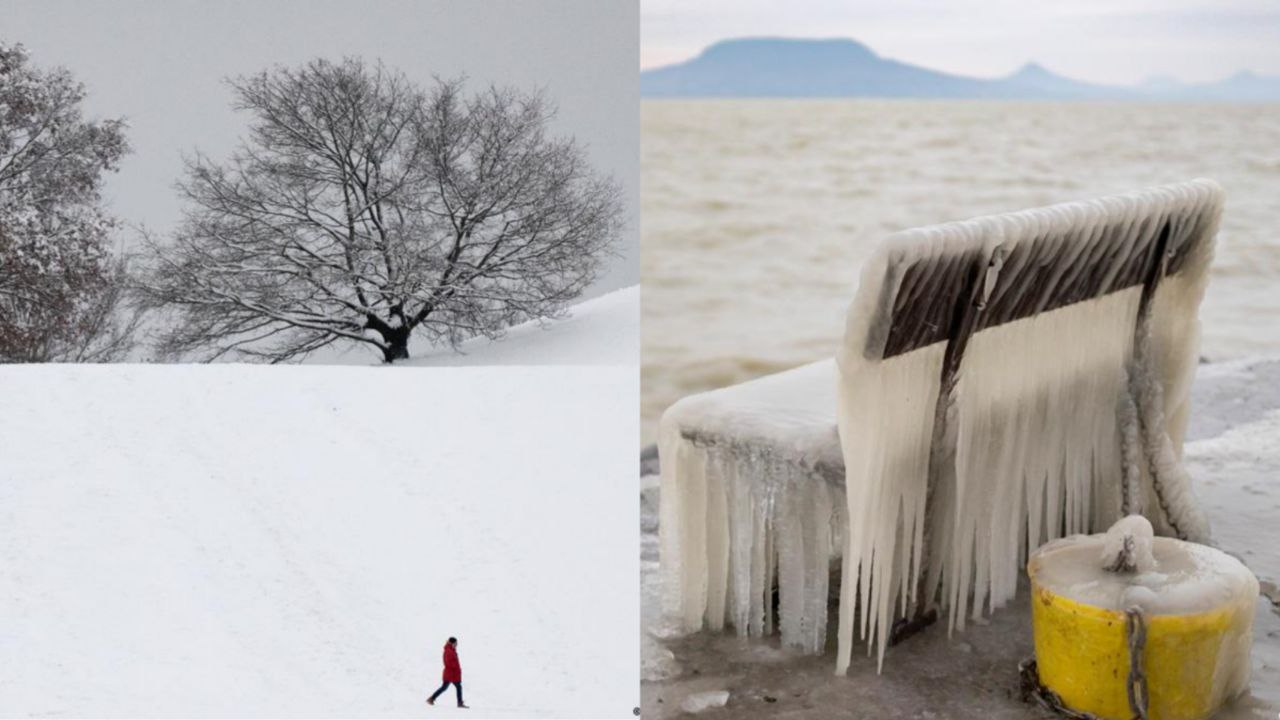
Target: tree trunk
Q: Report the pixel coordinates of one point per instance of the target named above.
(397, 348)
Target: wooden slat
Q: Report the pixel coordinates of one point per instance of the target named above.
(1040, 274)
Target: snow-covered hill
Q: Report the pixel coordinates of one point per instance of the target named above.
(601, 331)
(253, 541)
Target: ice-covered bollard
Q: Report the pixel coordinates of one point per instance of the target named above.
(1186, 608)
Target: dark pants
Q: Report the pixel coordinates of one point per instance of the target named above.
(444, 687)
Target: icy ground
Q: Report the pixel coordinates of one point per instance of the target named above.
(1233, 452)
(600, 331)
(247, 541)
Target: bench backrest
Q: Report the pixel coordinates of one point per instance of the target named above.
(985, 374)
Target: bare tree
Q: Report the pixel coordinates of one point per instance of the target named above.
(361, 208)
(62, 290)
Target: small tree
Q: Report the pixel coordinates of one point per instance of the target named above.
(361, 208)
(61, 289)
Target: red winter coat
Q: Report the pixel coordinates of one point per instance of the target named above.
(452, 670)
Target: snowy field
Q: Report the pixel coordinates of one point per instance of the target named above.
(1233, 455)
(600, 331)
(228, 540)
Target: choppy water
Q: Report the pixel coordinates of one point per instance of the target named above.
(756, 215)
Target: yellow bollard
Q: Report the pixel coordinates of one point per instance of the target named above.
(1194, 661)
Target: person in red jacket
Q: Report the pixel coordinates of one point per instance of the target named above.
(452, 672)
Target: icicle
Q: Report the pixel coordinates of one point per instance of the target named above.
(717, 542)
(742, 516)
(894, 400)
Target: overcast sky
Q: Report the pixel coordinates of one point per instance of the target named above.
(160, 63)
(1107, 41)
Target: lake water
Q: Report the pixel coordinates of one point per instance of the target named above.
(757, 214)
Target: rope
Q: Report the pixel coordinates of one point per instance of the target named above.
(1135, 630)
(1131, 501)
(1141, 414)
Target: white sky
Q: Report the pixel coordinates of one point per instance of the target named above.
(1105, 41)
(160, 63)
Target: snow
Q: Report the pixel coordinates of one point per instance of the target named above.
(248, 541)
(1233, 455)
(601, 331)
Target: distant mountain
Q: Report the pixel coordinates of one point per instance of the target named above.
(1243, 85)
(841, 67)
(772, 67)
(1035, 81)
(1161, 84)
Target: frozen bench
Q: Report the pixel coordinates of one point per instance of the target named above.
(1002, 381)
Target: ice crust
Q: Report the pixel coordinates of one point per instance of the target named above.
(1049, 417)
(699, 702)
(1134, 531)
(1183, 577)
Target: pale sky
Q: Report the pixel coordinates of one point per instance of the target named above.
(160, 63)
(1104, 41)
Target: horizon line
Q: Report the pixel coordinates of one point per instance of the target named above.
(1029, 62)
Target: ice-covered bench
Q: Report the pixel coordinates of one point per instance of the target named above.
(1002, 381)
